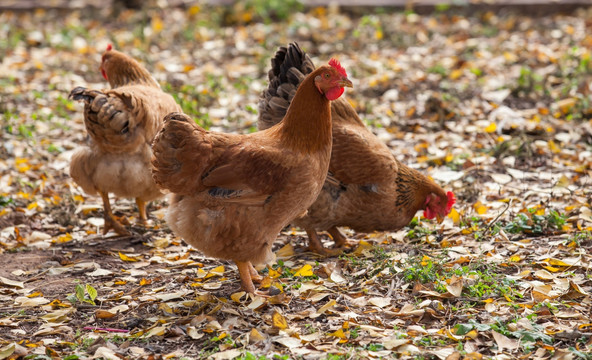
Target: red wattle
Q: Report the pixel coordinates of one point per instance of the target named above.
(334, 93)
(428, 213)
(104, 74)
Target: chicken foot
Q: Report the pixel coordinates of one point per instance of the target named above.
(255, 276)
(248, 274)
(341, 241)
(142, 209)
(316, 246)
(111, 221)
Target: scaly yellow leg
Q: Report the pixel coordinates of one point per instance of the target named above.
(142, 209)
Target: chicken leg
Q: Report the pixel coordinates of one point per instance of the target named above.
(248, 274)
(111, 221)
(315, 245)
(142, 209)
(341, 241)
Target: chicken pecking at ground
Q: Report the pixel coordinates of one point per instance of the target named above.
(366, 189)
(232, 194)
(121, 123)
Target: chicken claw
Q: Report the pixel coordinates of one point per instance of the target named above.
(341, 241)
(245, 271)
(316, 246)
(255, 276)
(111, 221)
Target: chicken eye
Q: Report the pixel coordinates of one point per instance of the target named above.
(327, 75)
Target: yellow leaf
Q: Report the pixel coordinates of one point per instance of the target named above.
(194, 10)
(286, 251)
(124, 257)
(565, 105)
(455, 74)
(339, 334)
(57, 303)
(473, 355)
(63, 238)
(236, 297)
(515, 258)
(455, 216)
(422, 158)
(553, 147)
(24, 195)
(255, 336)
(35, 294)
(157, 24)
(120, 282)
(145, 281)
(378, 34)
(32, 205)
(279, 321)
(556, 262)
(362, 245)
(510, 57)
(491, 128)
(217, 271)
(326, 307)
(274, 274)
(472, 334)
(480, 208)
(306, 270)
(266, 282)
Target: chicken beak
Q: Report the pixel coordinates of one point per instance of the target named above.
(439, 218)
(345, 82)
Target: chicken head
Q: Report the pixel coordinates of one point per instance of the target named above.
(438, 206)
(332, 81)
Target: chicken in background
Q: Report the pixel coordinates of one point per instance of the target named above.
(121, 123)
(366, 189)
(232, 194)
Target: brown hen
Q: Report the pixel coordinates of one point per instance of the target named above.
(366, 189)
(121, 123)
(234, 193)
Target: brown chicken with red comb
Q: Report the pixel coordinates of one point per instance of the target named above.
(234, 193)
(121, 123)
(366, 189)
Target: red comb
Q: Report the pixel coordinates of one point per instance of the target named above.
(335, 63)
(451, 201)
(109, 47)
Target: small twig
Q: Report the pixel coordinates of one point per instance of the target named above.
(33, 278)
(498, 216)
(94, 328)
